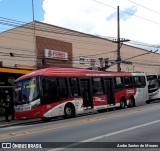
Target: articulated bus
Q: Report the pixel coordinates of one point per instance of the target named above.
(52, 92)
(153, 87)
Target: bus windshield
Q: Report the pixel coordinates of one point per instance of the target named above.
(26, 91)
(152, 79)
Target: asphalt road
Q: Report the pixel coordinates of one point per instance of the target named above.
(130, 128)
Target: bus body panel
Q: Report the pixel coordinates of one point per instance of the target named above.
(154, 95)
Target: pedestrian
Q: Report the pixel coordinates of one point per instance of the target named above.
(6, 106)
(12, 108)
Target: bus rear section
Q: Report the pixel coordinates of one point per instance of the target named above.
(153, 87)
(130, 90)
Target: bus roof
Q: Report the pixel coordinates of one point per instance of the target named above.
(73, 72)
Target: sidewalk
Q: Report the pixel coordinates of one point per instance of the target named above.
(3, 123)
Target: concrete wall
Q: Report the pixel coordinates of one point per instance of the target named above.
(19, 42)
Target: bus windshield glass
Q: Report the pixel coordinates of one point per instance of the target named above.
(26, 90)
(153, 82)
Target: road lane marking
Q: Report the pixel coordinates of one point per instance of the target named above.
(66, 125)
(105, 135)
(121, 131)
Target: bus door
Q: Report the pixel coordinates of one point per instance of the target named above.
(109, 90)
(86, 93)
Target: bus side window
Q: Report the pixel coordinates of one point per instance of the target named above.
(143, 81)
(74, 85)
(44, 86)
(136, 81)
(139, 81)
(63, 88)
(98, 86)
(128, 82)
(119, 82)
(50, 93)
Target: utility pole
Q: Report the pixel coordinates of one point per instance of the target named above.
(34, 33)
(119, 42)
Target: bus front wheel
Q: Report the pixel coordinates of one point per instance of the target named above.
(69, 111)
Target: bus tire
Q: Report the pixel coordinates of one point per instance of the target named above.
(131, 102)
(148, 102)
(122, 103)
(69, 111)
(46, 119)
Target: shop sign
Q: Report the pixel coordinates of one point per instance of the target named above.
(54, 54)
(94, 62)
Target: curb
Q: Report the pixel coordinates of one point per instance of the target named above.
(18, 122)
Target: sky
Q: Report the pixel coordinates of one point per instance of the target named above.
(139, 19)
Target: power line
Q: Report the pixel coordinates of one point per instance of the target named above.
(128, 13)
(145, 45)
(131, 58)
(144, 7)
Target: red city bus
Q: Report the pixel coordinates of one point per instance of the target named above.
(52, 92)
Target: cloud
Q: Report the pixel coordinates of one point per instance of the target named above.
(136, 22)
(131, 11)
(123, 15)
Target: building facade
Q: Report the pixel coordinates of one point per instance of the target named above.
(38, 45)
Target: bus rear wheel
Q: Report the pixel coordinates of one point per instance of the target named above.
(69, 111)
(122, 104)
(131, 102)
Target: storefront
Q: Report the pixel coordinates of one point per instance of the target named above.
(7, 78)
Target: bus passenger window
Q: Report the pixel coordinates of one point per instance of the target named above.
(50, 93)
(119, 82)
(137, 81)
(74, 85)
(98, 86)
(128, 82)
(142, 80)
(44, 86)
(63, 88)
